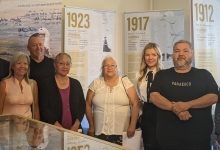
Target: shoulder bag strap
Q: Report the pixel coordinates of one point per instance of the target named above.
(126, 91)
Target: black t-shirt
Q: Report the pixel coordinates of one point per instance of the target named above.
(4, 68)
(173, 133)
(42, 70)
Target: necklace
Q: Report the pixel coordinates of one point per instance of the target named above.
(61, 81)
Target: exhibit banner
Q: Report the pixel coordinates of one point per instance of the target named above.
(206, 35)
(20, 19)
(163, 27)
(89, 37)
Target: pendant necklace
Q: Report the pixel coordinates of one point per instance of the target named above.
(62, 82)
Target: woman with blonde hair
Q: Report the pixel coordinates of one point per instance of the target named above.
(150, 65)
(18, 93)
(108, 103)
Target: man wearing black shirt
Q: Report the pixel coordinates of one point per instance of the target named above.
(41, 67)
(4, 66)
(184, 96)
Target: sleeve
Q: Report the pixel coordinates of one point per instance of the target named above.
(217, 116)
(92, 86)
(212, 86)
(136, 82)
(82, 103)
(127, 83)
(47, 115)
(157, 83)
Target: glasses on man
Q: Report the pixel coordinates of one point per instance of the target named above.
(64, 64)
(109, 66)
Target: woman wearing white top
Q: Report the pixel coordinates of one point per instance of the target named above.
(111, 107)
(150, 63)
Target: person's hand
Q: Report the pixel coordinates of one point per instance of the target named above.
(131, 131)
(218, 139)
(74, 128)
(178, 107)
(91, 131)
(58, 124)
(185, 115)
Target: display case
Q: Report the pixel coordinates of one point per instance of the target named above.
(20, 133)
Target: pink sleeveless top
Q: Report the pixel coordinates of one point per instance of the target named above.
(17, 101)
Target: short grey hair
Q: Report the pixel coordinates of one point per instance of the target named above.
(33, 36)
(62, 54)
(184, 41)
(103, 62)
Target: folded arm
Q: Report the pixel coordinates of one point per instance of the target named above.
(202, 102)
(160, 101)
(163, 103)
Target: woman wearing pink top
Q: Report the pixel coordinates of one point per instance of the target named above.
(16, 89)
(62, 101)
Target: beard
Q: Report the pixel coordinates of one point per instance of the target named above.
(182, 65)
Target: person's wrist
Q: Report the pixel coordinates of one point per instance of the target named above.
(189, 105)
(75, 126)
(132, 125)
(91, 126)
(171, 107)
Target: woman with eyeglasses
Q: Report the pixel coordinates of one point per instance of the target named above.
(62, 101)
(150, 65)
(108, 103)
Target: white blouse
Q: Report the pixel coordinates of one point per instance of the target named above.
(111, 109)
(142, 89)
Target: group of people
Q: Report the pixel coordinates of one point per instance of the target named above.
(27, 90)
(176, 101)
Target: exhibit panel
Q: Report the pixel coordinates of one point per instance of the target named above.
(20, 133)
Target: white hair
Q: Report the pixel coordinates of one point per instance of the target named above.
(103, 62)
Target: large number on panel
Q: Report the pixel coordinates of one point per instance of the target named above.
(78, 20)
(135, 23)
(81, 147)
(204, 12)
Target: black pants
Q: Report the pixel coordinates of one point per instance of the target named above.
(148, 127)
(117, 139)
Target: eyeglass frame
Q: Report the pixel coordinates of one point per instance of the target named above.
(109, 66)
(64, 64)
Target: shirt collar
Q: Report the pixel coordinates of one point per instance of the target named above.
(17, 82)
(154, 70)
